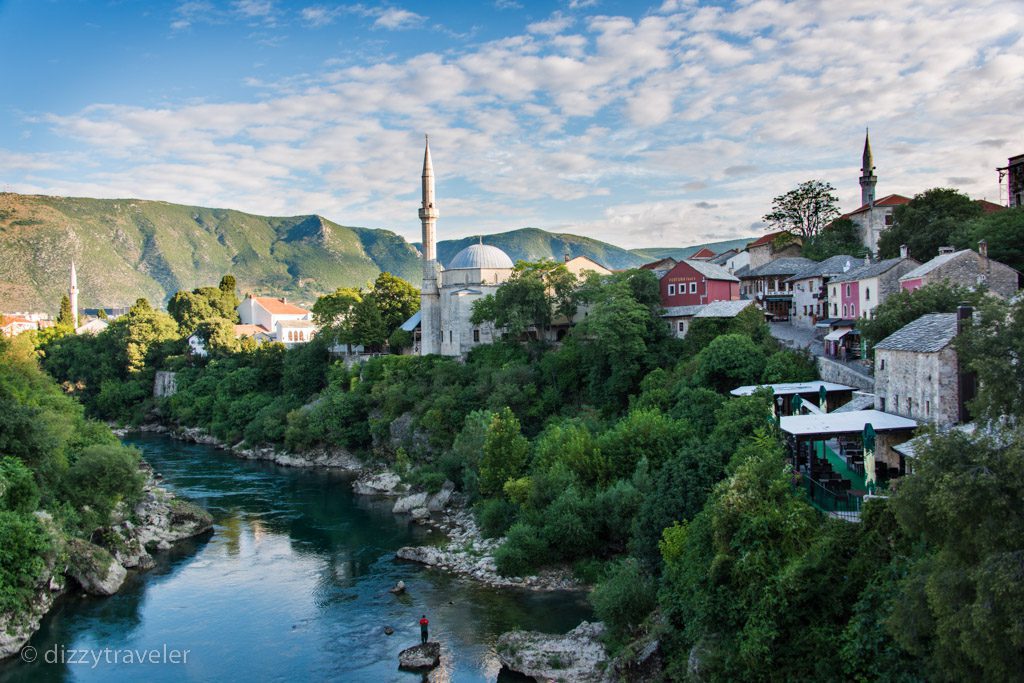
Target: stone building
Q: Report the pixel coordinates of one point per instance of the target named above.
(810, 288)
(768, 284)
(917, 373)
(1013, 172)
(679, 318)
(277, 319)
(873, 215)
(447, 294)
(966, 268)
(766, 249)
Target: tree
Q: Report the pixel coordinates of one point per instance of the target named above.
(204, 304)
(804, 211)
(229, 295)
(840, 237)
(729, 361)
(396, 300)
(1002, 230)
(368, 327)
(136, 333)
(993, 349)
(532, 296)
(102, 314)
(927, 222)
(335, 314)
(66, 317)
(505, 452)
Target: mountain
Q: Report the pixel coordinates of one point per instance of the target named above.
(131, 248)
(127, 248)
(533, 244)
(649, 254)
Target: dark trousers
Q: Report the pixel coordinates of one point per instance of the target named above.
(423, 633)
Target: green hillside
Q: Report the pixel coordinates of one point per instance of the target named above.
(654, 253)
(532, 244)
(127, 248)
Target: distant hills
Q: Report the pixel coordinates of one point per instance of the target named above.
(127, 248)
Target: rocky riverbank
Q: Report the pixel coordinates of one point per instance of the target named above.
(467, 552)
(577, 656)
(157, 520)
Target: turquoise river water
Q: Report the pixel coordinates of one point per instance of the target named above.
(291, 585)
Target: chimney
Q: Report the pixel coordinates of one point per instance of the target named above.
(983, 248)
(904, 252)
(867, 260)
(967, 381)
(946, 250)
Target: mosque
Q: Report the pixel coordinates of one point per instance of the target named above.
(447, 294)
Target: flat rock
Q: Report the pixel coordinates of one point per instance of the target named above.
(424, 554)
(407, 504)
(579, 655)
(379, 483)
(420, 657)
(439, 501)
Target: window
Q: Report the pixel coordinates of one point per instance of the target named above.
(449, 336)
(693, 288)
(881, 364)
(867, 294)
(476, 336)
(881, 404)
(910, 405)
(671, 290)
(888, 219)
(927, 407)
(844, 310)
(682, 326)
(847, 290)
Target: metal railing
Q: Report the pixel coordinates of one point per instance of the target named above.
(842, 505)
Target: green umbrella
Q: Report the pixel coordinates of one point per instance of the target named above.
(869, 457)
(822, 394)
(796, 402)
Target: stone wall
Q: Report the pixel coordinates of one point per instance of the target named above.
(831, 371)
(969, 269)
(165, 384)
(929, 380)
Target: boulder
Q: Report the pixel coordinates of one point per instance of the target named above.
(407, 504)
(439, 501)
(420, 513)
(420, 657)
(388, 631)
(399, 588)
(578, 655)
(424, 554)
(95, 570)
(380, 483)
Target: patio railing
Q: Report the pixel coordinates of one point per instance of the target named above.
(840, 504)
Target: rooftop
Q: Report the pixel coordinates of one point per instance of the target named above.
(928, 334)
(277, 306)
(767, 239)
(711, 270)
(852, 422)
(788, 265)
(413, 322)
(873, 269)
(790, 388)
(481, 256)
(723, 309)
(832, 266)
(682, 311)
(929, 266)
(887, 200)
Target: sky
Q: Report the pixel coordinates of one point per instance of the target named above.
(639, 124)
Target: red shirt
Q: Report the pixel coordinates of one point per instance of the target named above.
(424, 621)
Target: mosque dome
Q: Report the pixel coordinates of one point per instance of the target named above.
(480, 256)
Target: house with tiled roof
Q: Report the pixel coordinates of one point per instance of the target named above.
(917, 373)
(692, 282)
(768, 284)
(967, 268)
(281, 321)
(704, 254)
(12, 325)
(772, 246)
(810, 288)
(856, 294)
(680, 317)
(661, 266)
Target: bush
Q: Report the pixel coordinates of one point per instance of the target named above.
(18, 490)
(24, 543)
(100, 478)
(522, 552)
(495, 516)
(624, 599)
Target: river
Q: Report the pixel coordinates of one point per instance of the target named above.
(291, 585)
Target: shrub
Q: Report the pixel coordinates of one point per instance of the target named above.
(100, 478)
(522, 551)
(624, 598)
(24, 544)
(495, 516)
(18, 490)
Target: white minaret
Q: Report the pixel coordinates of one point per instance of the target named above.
(430, 299)
(868, 179)
(73, 295)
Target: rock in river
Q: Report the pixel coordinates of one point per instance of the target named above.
(420, 657)
(578, 656)
(95, 570)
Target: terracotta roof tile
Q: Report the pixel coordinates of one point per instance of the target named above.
(278, 307)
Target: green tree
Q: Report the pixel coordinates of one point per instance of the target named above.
(624, 599)
(102, 314)
(368, 326)
(993, 349)
(505, 455)
(134, 335)
(805, 210)
(1002, 230)
(840, 237)
(396, 300)
(531, 298)
(65, 318)
(789, 366)
(927, 222)
(729, 361)
(335, 314)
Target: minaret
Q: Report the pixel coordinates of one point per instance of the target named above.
(867, 174)
(430, 298)
(73, 295)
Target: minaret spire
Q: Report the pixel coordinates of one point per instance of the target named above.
(73, 295)
(867, 174)
(428, 210)
(430, 303)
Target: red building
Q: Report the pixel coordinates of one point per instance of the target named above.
(690, 283)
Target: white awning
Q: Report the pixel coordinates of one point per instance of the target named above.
(836, 335)
(844, 423)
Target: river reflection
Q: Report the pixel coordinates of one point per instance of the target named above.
(292, 585)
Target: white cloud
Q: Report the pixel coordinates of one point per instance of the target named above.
(556, 23)
(394, 19)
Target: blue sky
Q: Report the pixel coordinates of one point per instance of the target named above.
(641, 124)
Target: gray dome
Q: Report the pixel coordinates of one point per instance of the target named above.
(480, 256)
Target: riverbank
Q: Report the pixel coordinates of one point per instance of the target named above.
(467, 553)
(157, 521)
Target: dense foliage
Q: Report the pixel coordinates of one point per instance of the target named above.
(927, 222)
(905, 307)
(839, 237)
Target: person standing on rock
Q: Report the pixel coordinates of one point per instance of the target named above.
(424, 628)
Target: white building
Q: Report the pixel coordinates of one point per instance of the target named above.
(94, 326)
(276, 318)
(447, 294)
(810, 293)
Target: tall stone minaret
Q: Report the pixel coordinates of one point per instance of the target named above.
(430, 298)
(867, 174)
(73, 295)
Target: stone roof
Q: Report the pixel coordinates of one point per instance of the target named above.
(742, 271)
(887, 200)
(833, 265)
(711, 270)
(870, 270)
(724, 256)
(928, 334)
(787, 265)
(723, 309)
(929, 266)
(480, 256)
(682, 311)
